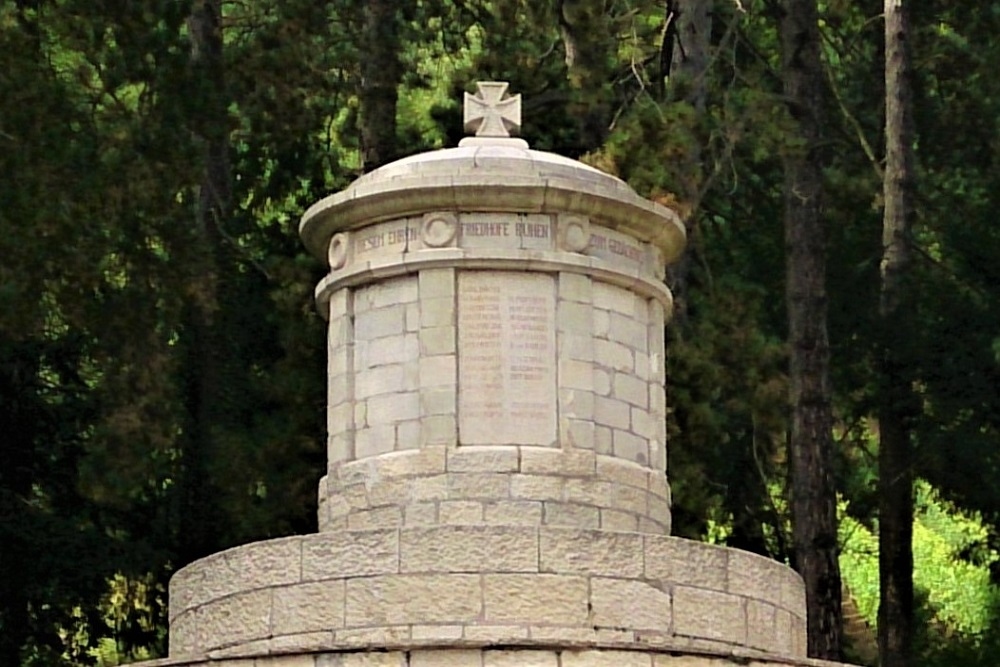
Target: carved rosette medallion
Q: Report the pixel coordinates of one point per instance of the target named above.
(337, 253)
(574, 233)
(438, 229)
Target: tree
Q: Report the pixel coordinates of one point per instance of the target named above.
(896, 402)
(684, 63)
(381, 73)
(814, 500)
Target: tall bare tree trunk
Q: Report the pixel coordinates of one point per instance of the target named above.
(199, 518)
(381, 72)
(895, 615)
(814, 506)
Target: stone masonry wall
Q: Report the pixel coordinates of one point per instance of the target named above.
(561, 415)
(466, 585)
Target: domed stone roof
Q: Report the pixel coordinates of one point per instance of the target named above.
(492, 175)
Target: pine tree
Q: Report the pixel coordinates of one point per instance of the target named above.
(896, 409)
(814, 501)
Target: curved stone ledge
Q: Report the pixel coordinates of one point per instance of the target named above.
(364, 272)
(470, 654)
(496, 485)
(363, 589)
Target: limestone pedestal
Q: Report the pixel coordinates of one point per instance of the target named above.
(495, 494)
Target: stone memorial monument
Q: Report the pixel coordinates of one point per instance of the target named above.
(495, 494)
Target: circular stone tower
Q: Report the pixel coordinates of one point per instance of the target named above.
(495, 494)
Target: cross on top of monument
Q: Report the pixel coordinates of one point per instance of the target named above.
(489, 113)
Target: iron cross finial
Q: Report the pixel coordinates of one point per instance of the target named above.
(489, 113)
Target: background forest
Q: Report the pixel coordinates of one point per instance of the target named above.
(161, 363)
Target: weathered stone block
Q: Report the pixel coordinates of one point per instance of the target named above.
(390, 659)
(437, 312)
(239, 618)
(380, 517)
(590, 552)
(379, 323)
(619, 521)
(576, 346)
(537, 487)
(310, 607)
(575, 317)
(512, 513)
(580, 433)
(393, 408)
(438, 400)
(575, 374)
(709, 615)
(571, 516)
(413, 599)
(420, 514)
(606, 659)
(755, 576)
(575, 287)
(446, 633)
(588, 491)
(469, 549)
(612, 412)
(437, 371)
(460, 512)
(486, 486)
(762, 628)
(628, 388)
(439, 430)
(618, 603)
(524, 598)
(487, 459)
(615, 356)
(386, 293)
(341, 555)
(437, 340)
(450, 658)
(374, 440)
(259, 565)
(627, 331)
(520, 658)
(436, 283)
(381, 380)
(690, 563)
(631, 447)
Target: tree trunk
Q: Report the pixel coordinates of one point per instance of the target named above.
(199, 519)
(21, 419)
(688, 35)
(684, 59)
(381, 72)
(586, 32)
(895, 616)
(814, 506)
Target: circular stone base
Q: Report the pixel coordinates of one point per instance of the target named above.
(483, 585)
(505, 656)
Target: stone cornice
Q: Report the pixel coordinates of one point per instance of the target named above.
(517, 180)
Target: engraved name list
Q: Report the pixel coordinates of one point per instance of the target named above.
(506, 358)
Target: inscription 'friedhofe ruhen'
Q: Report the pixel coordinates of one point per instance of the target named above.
(506, 358)
(531, 230)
